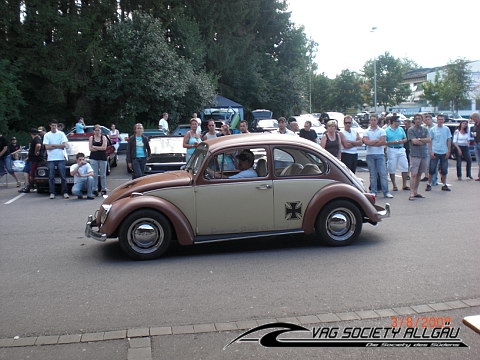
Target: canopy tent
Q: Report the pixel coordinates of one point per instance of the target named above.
(222, 105)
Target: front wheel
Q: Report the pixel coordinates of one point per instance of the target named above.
(145, 235)
(339, 223)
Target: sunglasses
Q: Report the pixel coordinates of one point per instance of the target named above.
(347, 123)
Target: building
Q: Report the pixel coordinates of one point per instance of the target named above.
(415, 103)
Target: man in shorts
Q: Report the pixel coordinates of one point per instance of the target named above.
(418, 138)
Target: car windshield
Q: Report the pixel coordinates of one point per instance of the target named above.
(197, 158)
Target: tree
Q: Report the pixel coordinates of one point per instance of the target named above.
(455, 84)
(11, 99)
(432, 91)
(345, 91)
(389, 78)
(138, 75)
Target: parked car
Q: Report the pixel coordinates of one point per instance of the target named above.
(72, 134)
(168, 154)
(263, 125)
(74, 146)
(316, 123)
(298, 188)
(181, 129)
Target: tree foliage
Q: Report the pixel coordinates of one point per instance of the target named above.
(389, 76)
(129, 61)
(451, 86)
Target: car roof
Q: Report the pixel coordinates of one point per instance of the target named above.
(259, 140)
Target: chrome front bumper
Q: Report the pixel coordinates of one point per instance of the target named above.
(90, 233)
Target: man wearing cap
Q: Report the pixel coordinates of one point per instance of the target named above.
(244, 163)
(396, 155)
(33, 160)
(282, 127)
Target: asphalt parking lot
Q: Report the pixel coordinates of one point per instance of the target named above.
(67, 297)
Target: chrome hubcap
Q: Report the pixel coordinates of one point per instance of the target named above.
(341, 224)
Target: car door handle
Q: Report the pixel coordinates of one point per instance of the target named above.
(264, 187)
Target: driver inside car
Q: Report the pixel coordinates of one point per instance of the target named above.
(244, 163)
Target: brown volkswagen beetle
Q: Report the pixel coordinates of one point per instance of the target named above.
(236, 187)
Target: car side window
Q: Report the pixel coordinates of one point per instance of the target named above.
(296, 162)
(241, 163)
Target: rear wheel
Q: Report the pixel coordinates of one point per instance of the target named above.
(339, 223)
(145, 234)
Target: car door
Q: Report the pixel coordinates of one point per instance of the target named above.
(231, 206)
(299, 175)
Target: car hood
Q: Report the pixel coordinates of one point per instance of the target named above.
(150, 182)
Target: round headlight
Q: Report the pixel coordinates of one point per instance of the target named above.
(42, 172)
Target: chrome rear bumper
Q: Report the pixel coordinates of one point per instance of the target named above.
(384, 213)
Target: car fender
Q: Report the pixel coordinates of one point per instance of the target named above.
(123, 207)
(337, 191)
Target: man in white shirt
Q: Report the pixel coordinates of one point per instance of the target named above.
(375, 139)
(163, 123)
(282, 127)
(199, 122)
(55, 143)
(82, 173)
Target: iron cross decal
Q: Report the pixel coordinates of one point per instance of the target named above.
(293, 210)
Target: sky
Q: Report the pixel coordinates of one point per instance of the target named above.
(427, 32)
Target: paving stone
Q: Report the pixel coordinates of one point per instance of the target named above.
(183, 329)
(139, 354)
(367, 314)
(115, 335)
(456, 304)
(440, 306)
(160, 330)
(248, 324)
(140, 342)
(27, 341)
(422, 308)
(472, 302)
(292, 320)
(6, 342)
(204, 328)
(329, 317)
(385, 312)
(46, 340)
(138, 332)
(90, 337)
(226, 326)
(70, 339)
(406, 310)
(347, 316)
(308, 319)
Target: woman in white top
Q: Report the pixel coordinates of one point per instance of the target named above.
(350, 139)
(460, 141)
(114, 136)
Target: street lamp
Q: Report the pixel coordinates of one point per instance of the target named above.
(374, 76)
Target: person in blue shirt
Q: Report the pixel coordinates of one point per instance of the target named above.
(80, 126)
(138, 152)
(439, 152)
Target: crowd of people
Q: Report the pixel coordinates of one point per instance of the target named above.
(421, 148)
(50, 148)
